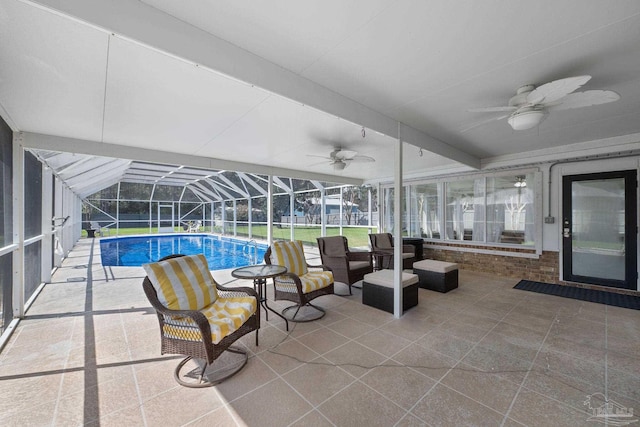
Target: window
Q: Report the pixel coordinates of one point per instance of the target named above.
(6, 224)
(6, 185)
(6, 286)
(464, 211)
(32, 196)
(496, 209)
(425, 211)
(510, 209)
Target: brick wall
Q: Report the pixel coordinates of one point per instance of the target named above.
(542, 269)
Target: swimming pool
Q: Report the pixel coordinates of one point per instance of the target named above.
(221, 252)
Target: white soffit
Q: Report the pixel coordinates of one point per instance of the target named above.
(159, 101)
(53, 78)
(151, 27)
(294, 34)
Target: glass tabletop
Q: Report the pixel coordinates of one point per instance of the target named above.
(261, 271)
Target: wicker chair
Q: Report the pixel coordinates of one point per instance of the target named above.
(382, 248)
(301, 284)
(198, 333)
(347, 267)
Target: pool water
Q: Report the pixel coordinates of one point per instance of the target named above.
(221, 252)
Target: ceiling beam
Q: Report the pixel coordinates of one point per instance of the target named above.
(277, 181)
(81, 146)
(139, 22)
(251, 182)
(199, 187)
(216, 187)
(231, 185)
(201, 195)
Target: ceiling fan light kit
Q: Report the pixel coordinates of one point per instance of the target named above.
(526, 119)
(339, 165)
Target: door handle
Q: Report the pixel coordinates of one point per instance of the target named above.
(566, 232)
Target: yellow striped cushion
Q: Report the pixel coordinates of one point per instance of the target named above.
(183, 283)
(225, 316)
(311, 281)
(315, 280)
(291, 255)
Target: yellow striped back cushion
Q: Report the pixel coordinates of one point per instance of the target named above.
(291, 255)
(183, 283)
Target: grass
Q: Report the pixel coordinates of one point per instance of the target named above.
(356, 236)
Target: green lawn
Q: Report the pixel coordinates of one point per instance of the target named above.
(356, 236)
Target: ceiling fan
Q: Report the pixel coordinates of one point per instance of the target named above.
(530, 105)
(340, 158)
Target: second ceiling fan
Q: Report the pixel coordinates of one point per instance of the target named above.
(340, 158)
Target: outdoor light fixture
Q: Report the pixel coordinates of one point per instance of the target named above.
(339, 165)
(526, 119)
(520, 182)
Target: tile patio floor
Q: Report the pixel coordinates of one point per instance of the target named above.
(485, 354)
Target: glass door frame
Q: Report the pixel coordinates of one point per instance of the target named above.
(631, 229)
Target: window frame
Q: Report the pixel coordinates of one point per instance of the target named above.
(492, 247)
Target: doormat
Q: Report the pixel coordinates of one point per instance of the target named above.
(591, 295)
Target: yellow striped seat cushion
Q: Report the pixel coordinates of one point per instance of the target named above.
(225, 316)
(311, 281)
(289, 254)
(183, 283)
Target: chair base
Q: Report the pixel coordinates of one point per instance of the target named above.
(301, 315)
(201, 375)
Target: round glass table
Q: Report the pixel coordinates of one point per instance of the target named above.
(259, 274)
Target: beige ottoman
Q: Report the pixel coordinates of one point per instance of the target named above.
(435, 275)
(377, 290)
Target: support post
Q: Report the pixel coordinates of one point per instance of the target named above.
(369, 207)
(48, 225)
(292, 207)
(249, 217)
(18, 226)
(341, 210)
(235, 218)
(323, 213)
(397, 227)
(270, 211)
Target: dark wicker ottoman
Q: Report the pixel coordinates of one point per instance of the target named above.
(377, 290)
(436, 275)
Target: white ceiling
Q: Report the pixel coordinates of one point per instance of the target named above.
(268, 84)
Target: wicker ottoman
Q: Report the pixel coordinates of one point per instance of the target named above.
(377, 290)
(436, 275)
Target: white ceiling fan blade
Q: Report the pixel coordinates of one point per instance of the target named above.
(319, 157)
(318, 163)
(476, 124)
(553, 91)
(584, 99)
(362, 159)
(492, 109)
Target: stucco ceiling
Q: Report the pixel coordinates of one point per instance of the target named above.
(272, 84)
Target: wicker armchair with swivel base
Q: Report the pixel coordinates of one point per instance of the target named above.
(301, 283)
(200, 319)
